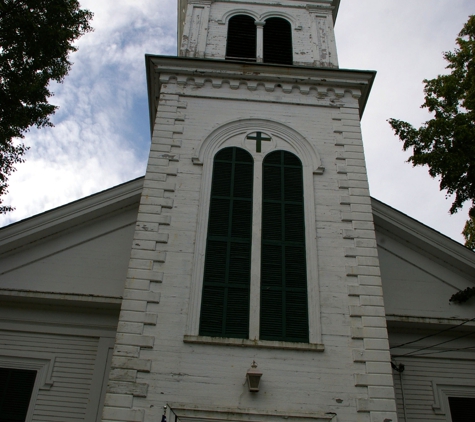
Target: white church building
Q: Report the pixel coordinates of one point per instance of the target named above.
(248, 276)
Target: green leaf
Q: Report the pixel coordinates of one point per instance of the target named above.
(446, 143)
(36, 38)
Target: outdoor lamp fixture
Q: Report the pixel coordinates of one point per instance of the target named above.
(253, 376)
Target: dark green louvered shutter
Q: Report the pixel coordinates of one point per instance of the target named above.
(227, 272)
(16, 386)
(278, 41)
(242, 38)
(284, 308)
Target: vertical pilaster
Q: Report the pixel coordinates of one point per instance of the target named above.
(366, 305)
(323, 39)
(144, 277)
(193, 42)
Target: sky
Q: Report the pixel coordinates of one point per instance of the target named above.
(101, 136)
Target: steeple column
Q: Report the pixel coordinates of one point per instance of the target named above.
(324, 46)
(260, 41)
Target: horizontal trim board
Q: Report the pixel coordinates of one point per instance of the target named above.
(265, 344)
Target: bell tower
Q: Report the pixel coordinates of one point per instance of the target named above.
(254, 242)
(298, 33)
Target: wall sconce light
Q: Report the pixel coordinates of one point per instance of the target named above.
(253, 376)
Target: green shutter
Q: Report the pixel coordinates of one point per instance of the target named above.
(227, 272)
(16, 386)
(277, 41)
(284, 306)
(242, 39)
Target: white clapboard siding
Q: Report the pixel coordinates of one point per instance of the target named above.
(72, 374)
(417, 381)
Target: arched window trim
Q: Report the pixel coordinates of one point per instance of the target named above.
(231, 13)
(259, 18)
(233, 134)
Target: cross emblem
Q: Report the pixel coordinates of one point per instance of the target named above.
(258, 138)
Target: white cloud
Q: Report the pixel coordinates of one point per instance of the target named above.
(403, 41)
(101, 136)
(95, 143)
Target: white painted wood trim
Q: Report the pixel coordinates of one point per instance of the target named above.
(443, 390)
(271, 13)
(259, 41)
(88, 300)
(264, 344)
(53, 327)
(238, 11)
(99, 380)
(299, 145)
(203, 35)
(313, 289)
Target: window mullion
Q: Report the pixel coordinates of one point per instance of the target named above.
(259, 41)
(255, 299)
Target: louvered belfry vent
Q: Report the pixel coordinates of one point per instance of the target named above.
(278, 41)
(227, 272)
(16, 386)
(241, 41)
(284, 308)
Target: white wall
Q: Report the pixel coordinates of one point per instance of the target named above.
(70, 349)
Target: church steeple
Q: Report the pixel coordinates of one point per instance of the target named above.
(293, 32)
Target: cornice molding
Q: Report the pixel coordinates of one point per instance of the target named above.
(322, 81)
(252, 84)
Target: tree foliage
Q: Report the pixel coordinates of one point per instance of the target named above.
(463, 295)
(469, 233)
(36, 39)
(446, 143)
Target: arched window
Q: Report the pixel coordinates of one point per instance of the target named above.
(284, 304)
(277, 41)
(227, 271)
(241, 41)
(283, 308)
(255, 274)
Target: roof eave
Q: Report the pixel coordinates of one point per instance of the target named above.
(83, 210)
(422, 237)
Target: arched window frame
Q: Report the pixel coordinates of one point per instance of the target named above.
(286, 139)
(259, 21)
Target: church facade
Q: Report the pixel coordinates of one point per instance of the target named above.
(250, 246)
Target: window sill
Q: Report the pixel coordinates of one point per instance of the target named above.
(265, 344)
